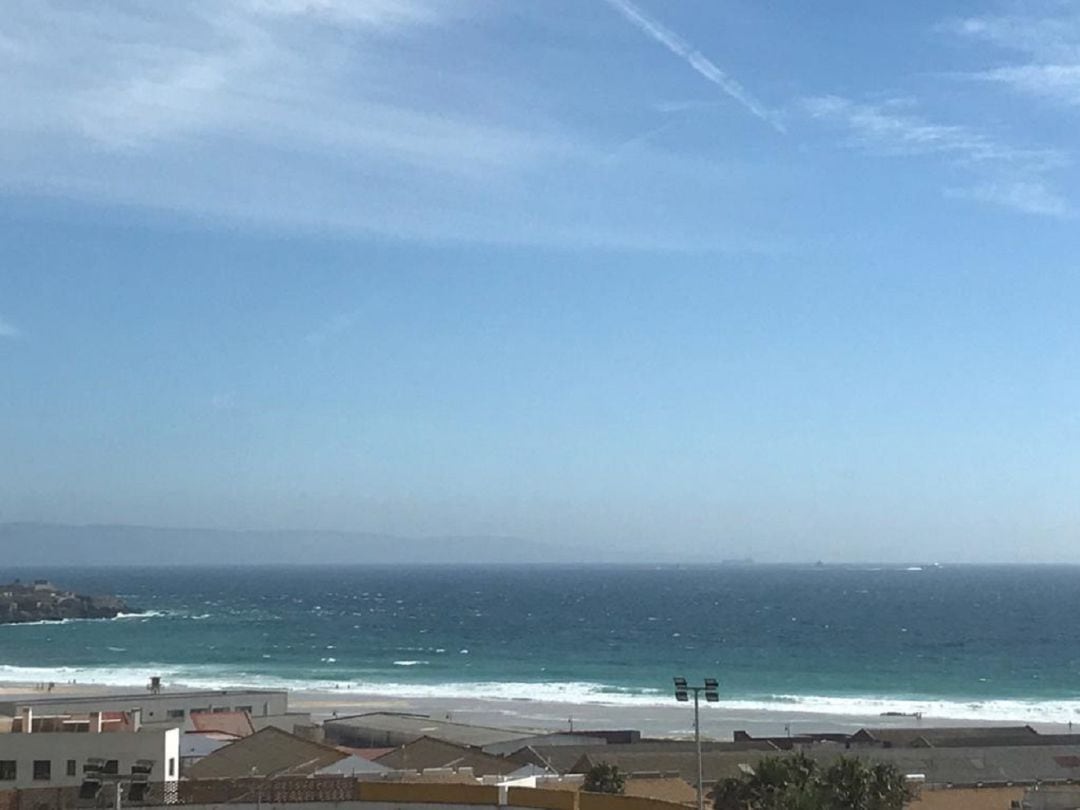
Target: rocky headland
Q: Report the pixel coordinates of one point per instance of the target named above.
(41, 601)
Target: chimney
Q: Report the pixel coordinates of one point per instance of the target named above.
(27, 720)
(95, 722)
(136, 719)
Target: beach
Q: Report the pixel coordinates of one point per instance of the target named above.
(674, 720)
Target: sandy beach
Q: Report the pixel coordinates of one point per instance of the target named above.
(658, 720)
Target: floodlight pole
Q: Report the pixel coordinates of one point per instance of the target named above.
(697, 745)
(682, 690)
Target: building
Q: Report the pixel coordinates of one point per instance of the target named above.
(61, 750)
(393, 729)
(947, 737)
(428, 753)
(171, 708)
(272, 752)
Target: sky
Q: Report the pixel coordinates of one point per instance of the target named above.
(793, 281)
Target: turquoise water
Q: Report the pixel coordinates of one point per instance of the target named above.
(979, 641)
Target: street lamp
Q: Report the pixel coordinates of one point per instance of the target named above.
(712, 694)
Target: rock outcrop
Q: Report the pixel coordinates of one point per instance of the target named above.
(41, 601)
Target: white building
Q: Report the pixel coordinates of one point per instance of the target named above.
(35, 758)
(168, 708)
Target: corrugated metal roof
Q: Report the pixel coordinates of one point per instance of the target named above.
(957, 766)
(425, 726)
(945, 735)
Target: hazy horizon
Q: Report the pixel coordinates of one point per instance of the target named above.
(631, 277)
(123, 545)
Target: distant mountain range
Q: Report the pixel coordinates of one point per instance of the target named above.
(36, 544)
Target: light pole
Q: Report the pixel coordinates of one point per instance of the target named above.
(712, 694)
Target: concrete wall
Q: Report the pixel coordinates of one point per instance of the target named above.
(331, 806)
(156, 708)
(60, 748)
(990, 798)
(605, 801)
(519, 798)
(543, 799)
(427, 793)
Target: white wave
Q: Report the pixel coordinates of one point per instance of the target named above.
(982, 709)
(410, 663)
(573, 693)
(147, 614)
(144, 614)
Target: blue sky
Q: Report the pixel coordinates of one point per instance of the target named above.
(715, 278)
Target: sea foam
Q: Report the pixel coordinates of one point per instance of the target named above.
(570, 693)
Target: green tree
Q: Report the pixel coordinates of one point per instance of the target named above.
(796, 783)
(604, 778)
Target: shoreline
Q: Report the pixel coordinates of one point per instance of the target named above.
(652, 718)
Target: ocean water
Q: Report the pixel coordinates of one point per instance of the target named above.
(965, 642)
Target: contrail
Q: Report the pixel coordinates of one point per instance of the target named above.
(696, 59)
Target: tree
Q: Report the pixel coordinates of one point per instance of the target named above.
(604, 778)
(796, 783)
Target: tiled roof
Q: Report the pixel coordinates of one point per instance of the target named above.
(666, 789)
(268, 752)
(426, 753)
(236, 723)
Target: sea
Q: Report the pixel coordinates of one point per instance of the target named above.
(967, 642)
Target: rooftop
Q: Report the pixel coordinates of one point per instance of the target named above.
(420, 725)
(269, 752)
(427, 753)
(140, 695)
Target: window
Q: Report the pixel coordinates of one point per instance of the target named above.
(71, 767)
(244, 709)
(220, 709)
(42, 770)
(172, 766)
(175, 714)
(7, 770)
(111, 767)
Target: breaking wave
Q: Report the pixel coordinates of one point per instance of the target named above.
(571, 693)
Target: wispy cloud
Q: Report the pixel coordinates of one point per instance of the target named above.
(342, 116)
(1004, 174)
(1030, 197)
(223, 401)
(1048, 31)
(696, 59)
(1049, 40)
(888, 128)
(8, 330)
(333, 326)
(1058, 83)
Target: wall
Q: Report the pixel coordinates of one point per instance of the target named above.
(155, 708)
(330, 806)
(988, 798)
(59, 747)
(427, 793)
(375, 796)
(604, 801)
(543, 799)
